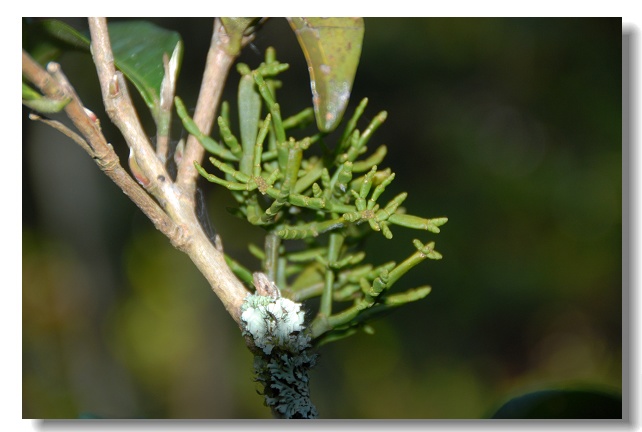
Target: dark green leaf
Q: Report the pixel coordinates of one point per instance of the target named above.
(138, 48)
(332, 47)
(45, 40)
(562, 404)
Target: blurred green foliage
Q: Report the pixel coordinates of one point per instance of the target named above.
(511, 127)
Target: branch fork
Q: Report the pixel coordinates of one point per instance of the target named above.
(168, 203)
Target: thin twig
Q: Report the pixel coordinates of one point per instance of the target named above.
(217, 66)
(64, 130)
(55, 85)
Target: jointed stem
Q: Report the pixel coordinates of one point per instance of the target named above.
(329, 199)
(334, 248)
(272, 245)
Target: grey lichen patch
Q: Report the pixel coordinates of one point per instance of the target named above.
(286, 384)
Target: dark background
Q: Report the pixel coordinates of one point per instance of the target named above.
(510, 127)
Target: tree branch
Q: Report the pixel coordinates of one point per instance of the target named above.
(64, 130)
(121, 111)
(176, 199)
(219, 61)
(54, 84)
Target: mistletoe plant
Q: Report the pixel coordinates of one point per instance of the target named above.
(316, 200)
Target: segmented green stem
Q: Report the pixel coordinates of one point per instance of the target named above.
(334, 248)
(249, 115)
(272, 245)
(337, 193)
(350, 126)
(272, 105)
(207, 142)
(229, 138)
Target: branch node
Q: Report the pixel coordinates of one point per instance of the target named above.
(114, 88)
(53, 67)
(218, 243)
(180, 238)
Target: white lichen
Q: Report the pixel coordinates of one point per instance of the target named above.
(274, 323)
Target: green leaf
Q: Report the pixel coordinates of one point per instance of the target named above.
(29, 94)
(45, 40)
(332, 47)
(36, 101)
(249, 101)
(562, 404)
(138, 48)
